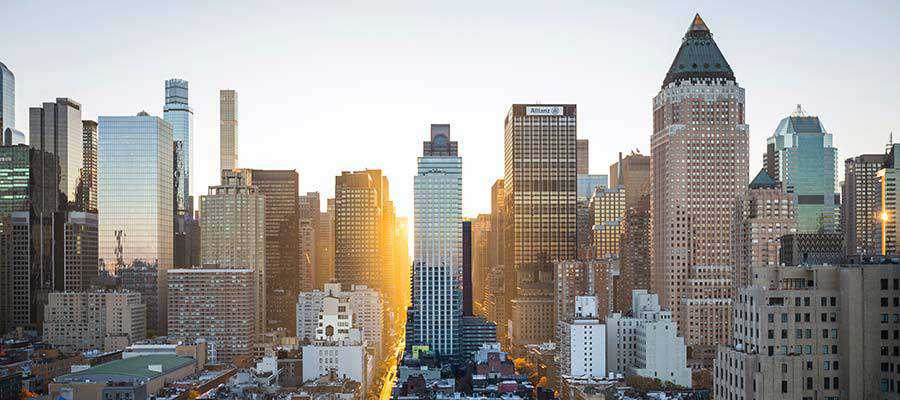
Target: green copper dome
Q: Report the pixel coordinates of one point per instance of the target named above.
(699, 57)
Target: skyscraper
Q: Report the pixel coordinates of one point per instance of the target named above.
(888, 221)
(582, 153)
(136, 191)
(860, 205)
(283, 275)
(233, 228)
(800, 155)
(632, 174)
(540, 202)
(699, 168)
(437, 279)
(7, 98)
(359, 205)
(56, 128)
(228, 129)
(765, 213)
(87, 188)
(179, 115)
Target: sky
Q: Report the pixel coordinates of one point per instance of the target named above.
(326, 86)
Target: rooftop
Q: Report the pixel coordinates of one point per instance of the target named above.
(129, 369)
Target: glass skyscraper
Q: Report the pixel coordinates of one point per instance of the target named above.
(7, 98)
(801, 155)
(136, 189)
(57, 128)
(437, 268)
(179, 115)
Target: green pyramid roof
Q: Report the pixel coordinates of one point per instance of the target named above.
(763, 181)
(699, 57)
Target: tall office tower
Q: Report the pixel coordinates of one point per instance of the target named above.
(7, 98)
(581, 157)
(228, 129)
(307, 248)
(888, 221)
(325, 246)
(633, 174)
(389, 275)
(467, 268)
(309, 208)
(99, 320)
(634, 254)
(481, 232)
(699, 168)
(502, 274)
(800, 155)
(438, 245)
(28, 199)
(76, 244)
(233, 228)
(177, 112)
(587, 186)
(765, 213)
(215, 305)
(532, 312)
(56, 128)
(540, 202)
(359, 204)
(607, 210)
(86, 195)
(136, 192)
(283, 275)
(402, 263)
(859, 205)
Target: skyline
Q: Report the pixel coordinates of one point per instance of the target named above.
(351, 93)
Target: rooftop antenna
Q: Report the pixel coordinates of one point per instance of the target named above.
(799, 111)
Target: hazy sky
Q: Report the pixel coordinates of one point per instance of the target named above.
(326, 86)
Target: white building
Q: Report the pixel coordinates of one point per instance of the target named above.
(582, 347)
(338, 348)
(365, 304)
(647, 343)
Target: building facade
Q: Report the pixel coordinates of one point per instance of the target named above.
(216, 305)
(228, 129)
(540, 211)
(178, 113)
(437, 281)
(813, 332)
(801, 155)
(98, 320)
(56, 128)
(86, 195)
(582, 343)
(860, 205)
(233, 228)
(699, 168)
(888, 221)
(607, 210)
(7, 98)
(765, 214)
(360, 202)
(135, 195)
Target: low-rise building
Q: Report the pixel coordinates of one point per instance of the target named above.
(582, 346)
(135, 378)
(365, 303)
(99, 320)
(647, 342)
(827, 332)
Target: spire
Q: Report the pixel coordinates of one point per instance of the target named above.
(697, 24)
(799, 112)
(699, 58)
